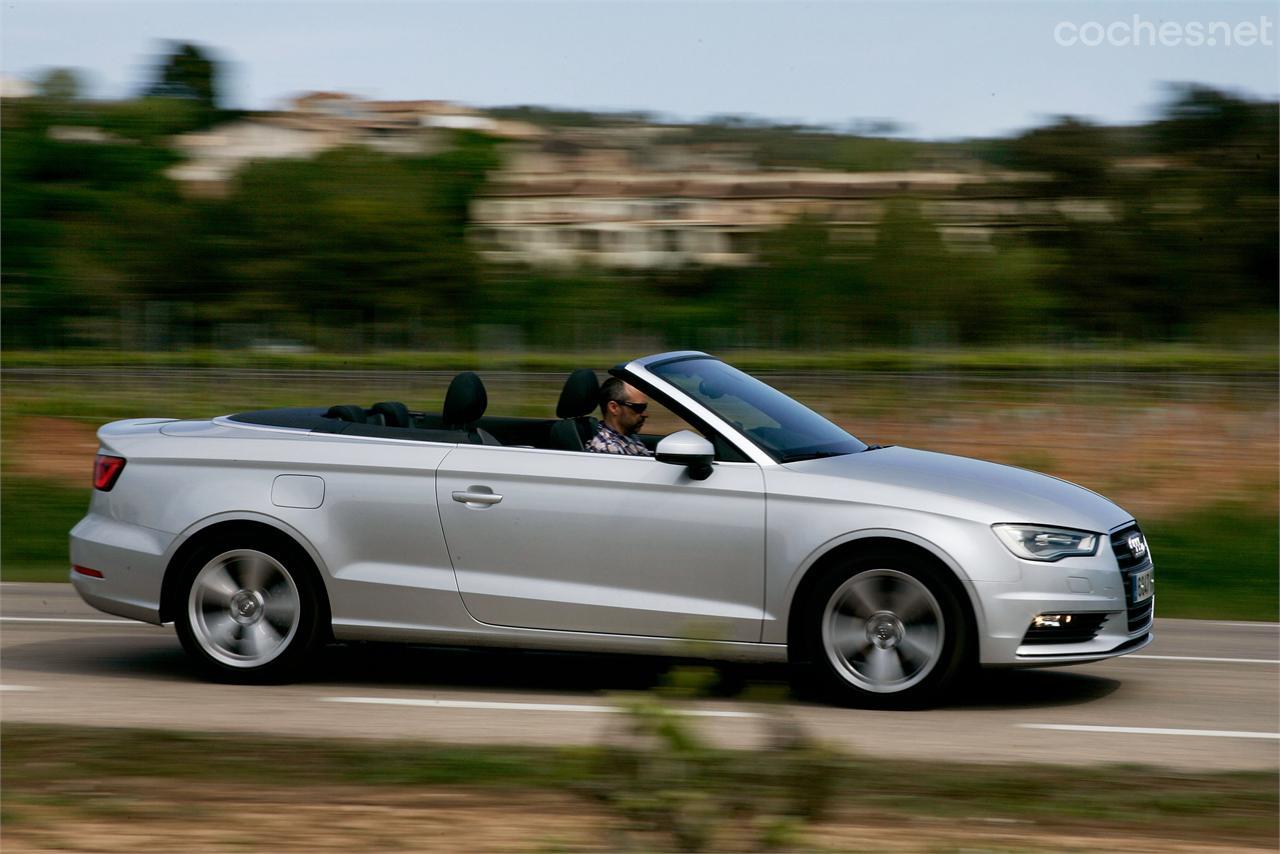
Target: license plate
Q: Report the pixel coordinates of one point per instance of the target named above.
(1144, 585)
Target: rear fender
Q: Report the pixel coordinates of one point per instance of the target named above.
(193, 535)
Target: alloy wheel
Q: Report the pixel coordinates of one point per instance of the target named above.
(883, 630)
(244, 608)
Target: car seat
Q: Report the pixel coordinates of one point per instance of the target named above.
(347, 412)
(578, 399)
(464, 404)
(394, 413)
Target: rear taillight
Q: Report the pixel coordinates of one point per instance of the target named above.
(106, 470)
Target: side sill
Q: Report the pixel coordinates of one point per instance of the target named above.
(562, 641)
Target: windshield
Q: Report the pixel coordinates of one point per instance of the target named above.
(784, 429)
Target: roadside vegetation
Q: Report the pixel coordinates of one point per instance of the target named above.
(653, 786)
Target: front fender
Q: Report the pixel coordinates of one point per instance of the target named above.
(791, 584)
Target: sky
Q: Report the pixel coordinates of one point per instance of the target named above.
(939, 70)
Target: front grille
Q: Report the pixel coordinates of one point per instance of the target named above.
(1124, 554)
(1140, 614)
(1077, 628)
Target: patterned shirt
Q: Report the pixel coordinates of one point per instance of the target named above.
(610, 441)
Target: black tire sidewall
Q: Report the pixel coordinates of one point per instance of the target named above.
(816, 673)
(309, 634)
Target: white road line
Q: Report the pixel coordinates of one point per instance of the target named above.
(520, 707)
(18, 688)
(1235, 624)
(1138, 730)
(1219, 660)
(74, 620)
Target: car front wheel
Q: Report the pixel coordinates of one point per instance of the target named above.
(884, 632)
(251, 611)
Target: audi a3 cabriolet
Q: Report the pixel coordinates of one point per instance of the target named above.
(758, 529)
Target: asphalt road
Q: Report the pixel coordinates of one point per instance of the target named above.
(1204, 696)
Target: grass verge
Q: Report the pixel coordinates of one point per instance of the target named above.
(35, 517)
(1217, 564)
(42, 762)
(1214, 564)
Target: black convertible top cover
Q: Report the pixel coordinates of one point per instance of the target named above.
(314, 420)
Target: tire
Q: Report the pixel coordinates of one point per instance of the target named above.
(251, 608)
(885, 631)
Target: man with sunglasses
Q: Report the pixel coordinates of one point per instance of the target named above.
(622, 409)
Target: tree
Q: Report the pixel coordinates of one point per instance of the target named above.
(1076, 153)
(186, 72)
(60, 84)
(1204, 121)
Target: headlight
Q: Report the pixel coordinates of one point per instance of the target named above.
(1036, 542)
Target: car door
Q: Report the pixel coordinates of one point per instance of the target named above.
(602, 543)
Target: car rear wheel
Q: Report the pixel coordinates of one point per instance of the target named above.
(883, 631)
(251, 611)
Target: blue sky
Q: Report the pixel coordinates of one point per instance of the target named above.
(939, 69)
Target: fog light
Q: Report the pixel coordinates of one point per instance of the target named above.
(1064, 628)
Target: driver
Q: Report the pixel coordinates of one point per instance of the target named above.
(622, 409)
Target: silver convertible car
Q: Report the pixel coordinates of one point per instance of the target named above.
(758, 531)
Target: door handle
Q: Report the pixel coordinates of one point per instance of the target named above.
(476, 499)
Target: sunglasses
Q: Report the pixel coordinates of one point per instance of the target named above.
(634, 407)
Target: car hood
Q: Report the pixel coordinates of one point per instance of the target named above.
(961, 487)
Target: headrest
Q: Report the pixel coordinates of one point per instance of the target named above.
(464, 402)
(394, 413)
(580, 395)
(347, 412)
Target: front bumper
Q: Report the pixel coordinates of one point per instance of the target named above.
(1096, 589)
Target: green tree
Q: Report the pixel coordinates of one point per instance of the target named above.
(356, 235)
(1076, 154)
(60, 84)
(182, 95)
(1204, 122)
(186, 72)
(60, 214)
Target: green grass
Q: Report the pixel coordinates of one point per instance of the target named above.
(1173, 357)
(1237, 806)
(1218, 563)
(35, 516)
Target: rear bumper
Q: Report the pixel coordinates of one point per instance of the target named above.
(132, 561)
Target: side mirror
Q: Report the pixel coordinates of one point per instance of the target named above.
(688, 449)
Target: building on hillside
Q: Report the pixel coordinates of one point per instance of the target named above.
(655, 220)
(322, 121)
(15, 87)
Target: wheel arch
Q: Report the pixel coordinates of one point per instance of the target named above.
(878, 541)
(223, 526)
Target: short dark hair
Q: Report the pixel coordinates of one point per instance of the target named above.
(611, 389)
